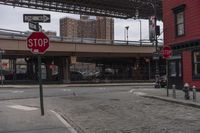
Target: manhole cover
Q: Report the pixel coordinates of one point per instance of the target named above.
(115, 99)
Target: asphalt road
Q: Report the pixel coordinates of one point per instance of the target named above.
(25, 93)
(101, 110)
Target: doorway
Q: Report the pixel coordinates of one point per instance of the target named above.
(175, 75)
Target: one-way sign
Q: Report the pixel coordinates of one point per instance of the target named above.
(42, 18)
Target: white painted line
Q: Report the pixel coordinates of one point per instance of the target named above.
(67, 125)
(139, 93)
(20, 107)
(131, 91)
(66, 90)
(17, 91)
(102, 88)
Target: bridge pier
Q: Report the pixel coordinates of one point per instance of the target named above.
(30, 72)
(63, 64)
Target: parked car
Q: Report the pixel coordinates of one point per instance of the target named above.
(162, 82)
(76, 76)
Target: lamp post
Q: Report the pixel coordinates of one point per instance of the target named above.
(157, 76)
(136, 17)
(127, 27)
(1, 56)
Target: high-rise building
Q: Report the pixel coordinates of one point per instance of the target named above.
(68, 27)
(105, 28)
(88, 27)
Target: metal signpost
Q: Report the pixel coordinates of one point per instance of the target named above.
(167, 53)
(38, 43)
(1, 56)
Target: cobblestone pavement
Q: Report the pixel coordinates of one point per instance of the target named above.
(125, 112)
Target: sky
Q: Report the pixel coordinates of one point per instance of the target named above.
(12, 18)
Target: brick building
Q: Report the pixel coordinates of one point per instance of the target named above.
(68, 27)
(182, 34)
(87, 27)
(105, 28)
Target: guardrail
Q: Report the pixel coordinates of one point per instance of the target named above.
(13, 34)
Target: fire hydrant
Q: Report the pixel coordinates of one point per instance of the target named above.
(186, 90)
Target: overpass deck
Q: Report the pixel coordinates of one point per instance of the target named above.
(14, 43)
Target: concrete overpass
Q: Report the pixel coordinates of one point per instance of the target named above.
(120, 55)
(15, 44)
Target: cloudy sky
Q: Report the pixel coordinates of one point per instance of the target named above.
(12, 18)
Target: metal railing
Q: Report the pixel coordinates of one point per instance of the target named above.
(13, 34)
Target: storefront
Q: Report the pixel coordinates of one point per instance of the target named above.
(182, 34)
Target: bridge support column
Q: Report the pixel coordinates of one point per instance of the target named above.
(63, 64)
(30, 72)
(49, 67)
(66, 70)
(14, 67)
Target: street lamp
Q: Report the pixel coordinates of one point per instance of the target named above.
(1, 56)
(127, 27)
(136, 18)
(157, 76)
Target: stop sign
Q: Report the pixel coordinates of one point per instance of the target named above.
(38, 42)
(167, 52)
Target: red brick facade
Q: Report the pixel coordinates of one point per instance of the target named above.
(192, 33)
(192, 21)
(187, 69)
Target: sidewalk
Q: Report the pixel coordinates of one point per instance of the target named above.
(23, 119)
(78, 85)
(161, 94)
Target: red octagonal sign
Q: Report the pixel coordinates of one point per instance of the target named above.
(167, 52)
(38, 42)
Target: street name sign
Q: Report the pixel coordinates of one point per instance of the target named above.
(38, 43)
(38, 18)
(156, 56)
(33, 26)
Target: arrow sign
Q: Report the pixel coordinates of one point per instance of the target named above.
(42, 18)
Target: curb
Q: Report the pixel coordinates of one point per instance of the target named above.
(79, 85)
(186, 103)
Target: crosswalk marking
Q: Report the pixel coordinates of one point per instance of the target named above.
(25, 108)
(17, 91)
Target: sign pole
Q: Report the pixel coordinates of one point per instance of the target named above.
(1, 72)
(167, 53)
(38, 42)
(167, 78)
(40, 84)
(1, 57)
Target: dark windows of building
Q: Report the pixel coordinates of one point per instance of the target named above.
(180, 68)
(196, 64)
(179, 20)
(172, 66)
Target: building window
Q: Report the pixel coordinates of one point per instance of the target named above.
(180, 24)
(179, 20)
(172, 69)
(196, 64)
